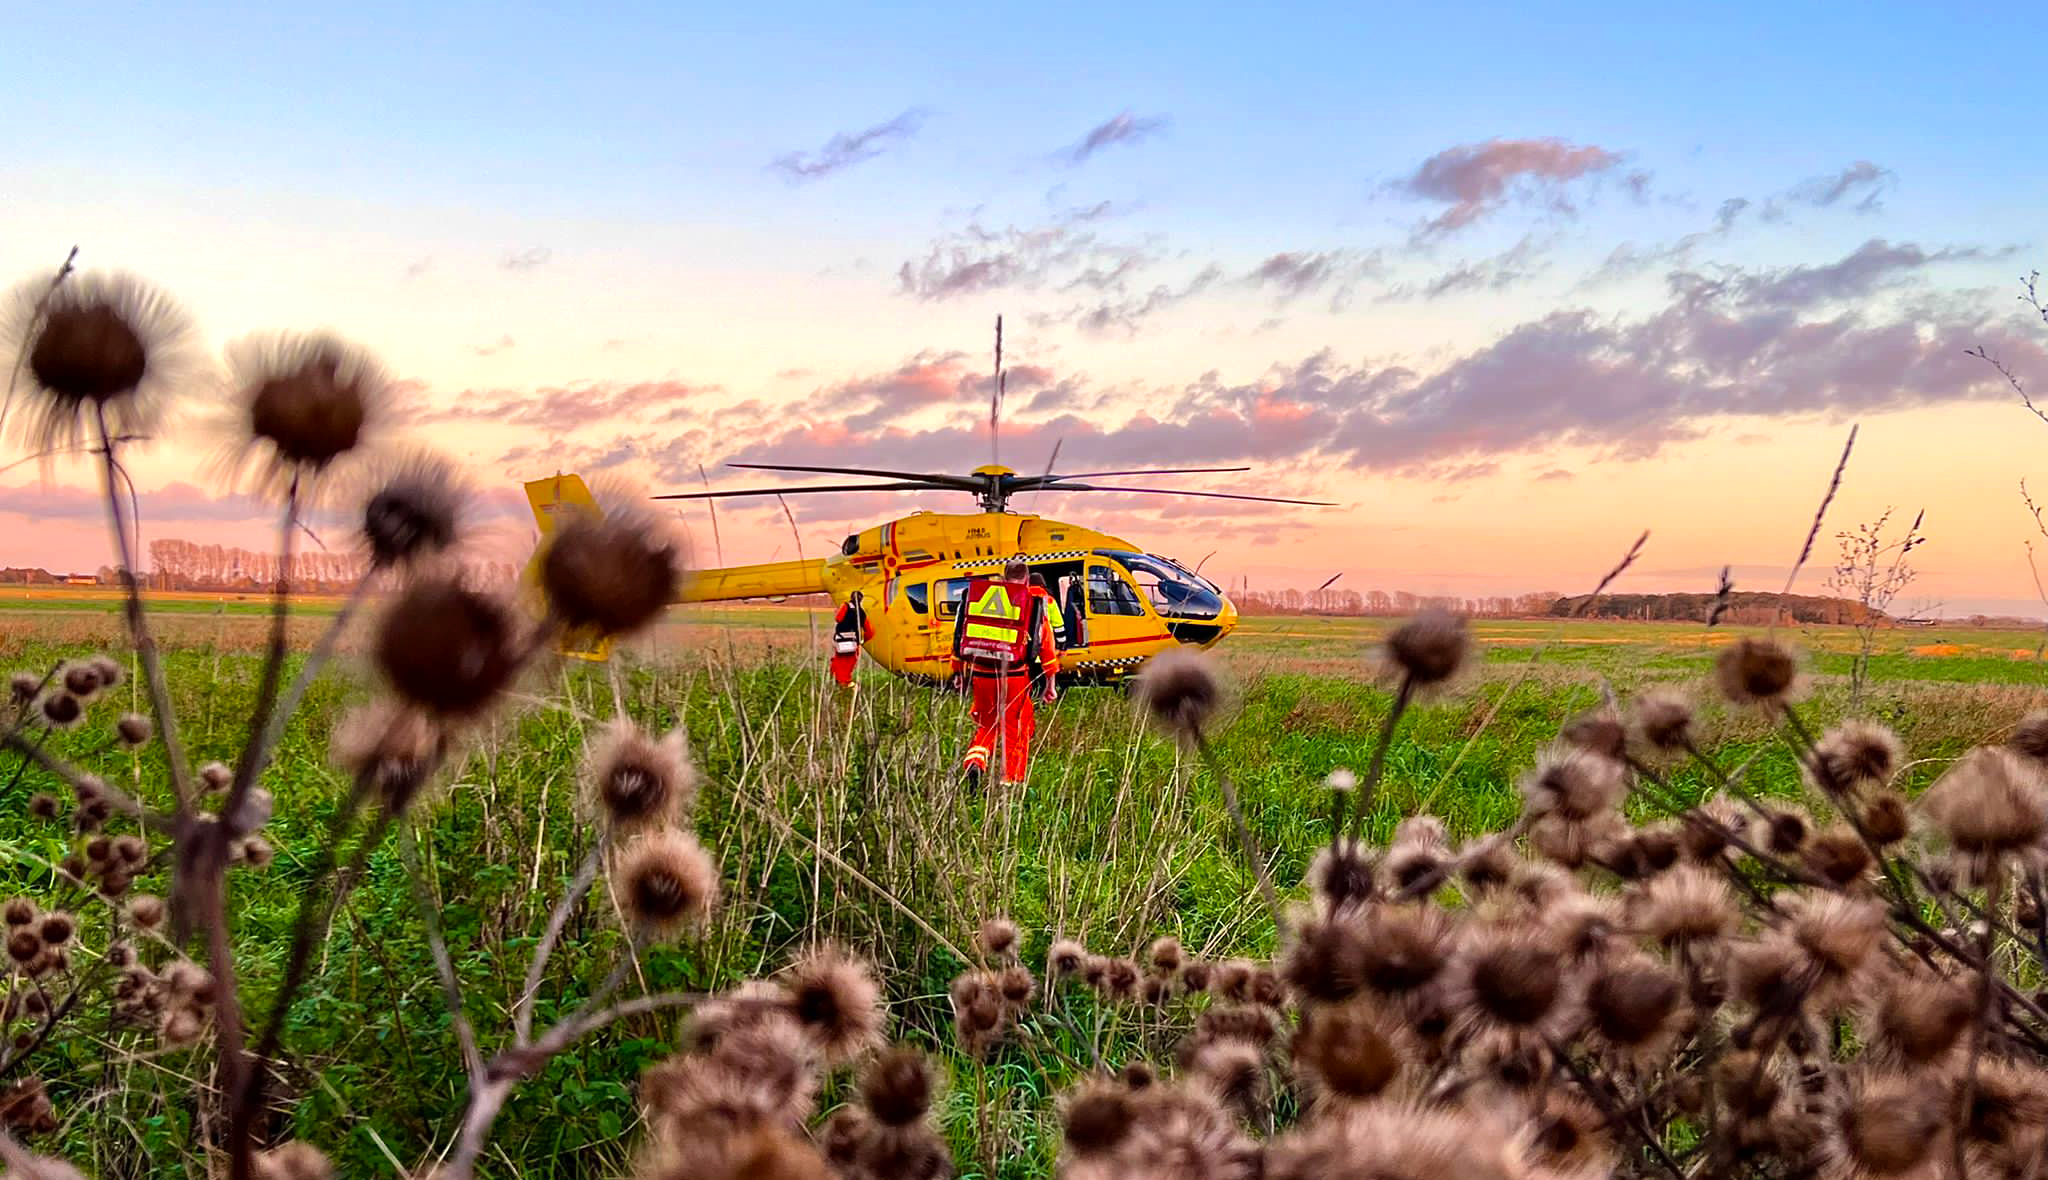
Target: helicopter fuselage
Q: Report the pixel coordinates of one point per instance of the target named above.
(1118, 604)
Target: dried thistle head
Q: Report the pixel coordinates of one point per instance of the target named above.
(1688, 905)
(1514, 981)
(414, 507)
(1886, 819)
(1233, 1071)
(1166, 955)
(1916, 1018)
(635, 782)
(1599, 733)
(838, 1003)
(133, 729)
(666, 881)
(61, 710)
(1838, 855)
(22, 687)
(2030, 737)
(1347, 1051)
(1574, 784)
(1397, 1141)
(1754, 671)
(998, 938)
(93, 346)
(1325, 957)
(297, 1160)
(1341, 875)
(390, 748)
(1406, 947)
(449, 649)
(1064, 958)
(1991, 801)
(305, 401)
(1096, 1119)
(1890, 1123)
(1635, 1004)
(81, 678)
(897, 1089)
(612, 572)
(1427, 650)
(1853, 756)
(1181, 691)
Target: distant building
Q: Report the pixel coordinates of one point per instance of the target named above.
(81, 580)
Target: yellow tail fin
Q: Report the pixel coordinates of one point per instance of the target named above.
(549, 498)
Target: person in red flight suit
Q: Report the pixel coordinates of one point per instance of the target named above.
(851, 627)
(1001, 638)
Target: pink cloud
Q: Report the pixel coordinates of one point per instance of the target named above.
(1475, 179)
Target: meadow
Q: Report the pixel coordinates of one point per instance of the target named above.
(846, 819)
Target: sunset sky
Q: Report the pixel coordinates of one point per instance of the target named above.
(1511, 286)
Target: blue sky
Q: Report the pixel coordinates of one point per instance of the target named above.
(508, 199)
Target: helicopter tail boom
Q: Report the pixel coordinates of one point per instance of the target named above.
(773, 579)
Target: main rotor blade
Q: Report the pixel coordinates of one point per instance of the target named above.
(799, 491)
(964, 483)
(1090, 487)
(1140, 471)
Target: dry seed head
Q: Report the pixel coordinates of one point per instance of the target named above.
(1600, 734)
(612, 573)
(449, 649)
(635, 782)
(1885, 818)
(1854, 755)
(391, 747)
(1515, 982)
(836, 999)
(61, 710)
(306, 400)
(1064, 958)
(667, 881)
(1181, 690)
(1347, 1051)
(1406, 948)
(102, 344)
(1096, 1119)
(43, 806)
(1784, 832)
(1194, 976)
(1341, 874)
(146, 910)
(1340, 780)
(110, 670)
(22, 687)
(1991, 801)
(1890, 1124)
(24, 944)
(1325, 958)
(1571, 843)
(1428, 649)
(1756, 672)
(133, 729)
(898, 1087)
(1397, 1141)
(414, 509)
(1838, 855)
(255, 852)
(1233, 1071)
(1166, 955)
(1635, 1003)
(2030, 738)
(1017, 986)
(998, 938)
(1685, 905)
(56, 929)
(131, 850)
(81, 680)
(1574, 784)
(1916, 1019)
(294, 1161)
(216, 776)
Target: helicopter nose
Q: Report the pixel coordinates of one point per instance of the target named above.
(1226, 621)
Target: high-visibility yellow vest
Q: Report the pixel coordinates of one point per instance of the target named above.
(992, 617)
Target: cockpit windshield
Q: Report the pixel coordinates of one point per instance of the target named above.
(1174, 591)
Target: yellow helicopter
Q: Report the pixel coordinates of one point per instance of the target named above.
(1120, 604)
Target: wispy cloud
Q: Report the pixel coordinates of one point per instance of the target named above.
(531, 258)
(1126, 129)
(977, 259)
(847, 149)
(418, 267)
(1476, 179)
(501, 344)
(1861, 187)
(1491, 275)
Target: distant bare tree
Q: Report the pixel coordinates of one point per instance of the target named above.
(2030, 294)
(1871, 571)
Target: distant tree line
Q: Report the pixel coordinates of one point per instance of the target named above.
(1383, 602)
(1752, 607)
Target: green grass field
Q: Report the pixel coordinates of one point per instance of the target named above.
(848, 821)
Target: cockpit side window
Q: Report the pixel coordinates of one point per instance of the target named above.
(1110, 594)
(918, 594)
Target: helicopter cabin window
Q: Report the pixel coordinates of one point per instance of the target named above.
(1110, 594)
(951, 592)
(917, 594)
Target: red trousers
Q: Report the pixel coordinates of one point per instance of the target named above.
(842, 666)
(1002, 716)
